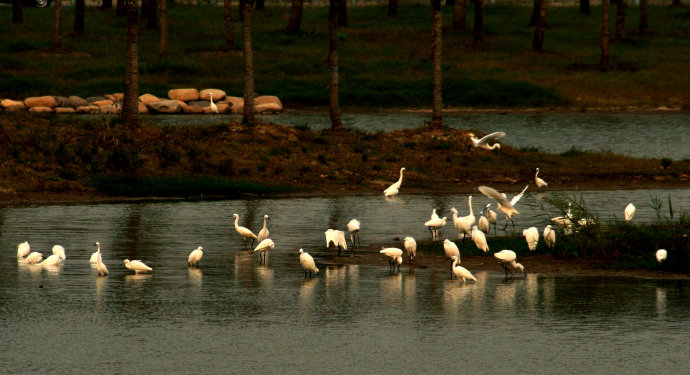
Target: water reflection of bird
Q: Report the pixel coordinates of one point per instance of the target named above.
(195, 257)
(244, 232)
(136, 266)
(461, 272)
(307, 262)
(508, 257)
(393, 190)
(195, 276)
(484, 141)
(629, 212)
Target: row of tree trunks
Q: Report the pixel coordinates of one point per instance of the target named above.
(620, 18)
(130, 108)
(436, 47)
(540, 26)
(227, 22)
(333, 103)
(248, 113)
(163, 51)
(459, 14)
(604, 60)
(57, 30)
(295, 20)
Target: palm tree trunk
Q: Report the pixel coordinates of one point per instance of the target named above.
(459, 14)
(248, 113)
(130, 109)
(436, 44)
(604, 60)
(295, 20)
(584, 7)
(538, 41)
(79, 17)
(342, 14)
(17, 11)
(121, 9)
(107, 4)
(536, 5)
(164, 29)
(478, 20)
(644, 15)
(393, 8)
(149, 12)
(57, 31)
(227, 22)
(333, 106)
(620, 18)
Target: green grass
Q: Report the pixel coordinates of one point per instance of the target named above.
(383, 62)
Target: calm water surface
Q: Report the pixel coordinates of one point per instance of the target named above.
(234, 315)
(638, 135)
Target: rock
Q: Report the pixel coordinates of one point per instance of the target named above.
(142, 107)
(264, 99)
(95, 99)
(119, 97)
(9, 103)
(148, 98)
(237, 104)
(110, 97)
(268, 108)
(190, 109)
(217, 94)
(76, 102)
(41, 109)
(40, 101)
(102, 103)
(165, 106)
(61, 101)
(110, 109)
(64, 110)
(200, 103)
(88, 109)
(185, 95)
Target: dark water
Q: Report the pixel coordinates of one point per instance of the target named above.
(234, 315)
(639, 135)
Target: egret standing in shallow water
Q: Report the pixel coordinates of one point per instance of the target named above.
(549, 237)
(461, 272)
(484, 141)
(532, 237)
(661, 255)
(629, 212)
(508, 257)
(263, 233)
(100, 266)
(502, 202)
(94, 256)
(393, 190)
(395, 257)
(23, 249)
(337, 237)
(59, 251)
(491, 216)
(479, 239)
(410, 247)
(353, 228)
(263, 248)
(433, 226)
(195, 257)
(136, 266)
(244, 232)
(483, 223)
(307, 263)
(452, 251)
(541, 184)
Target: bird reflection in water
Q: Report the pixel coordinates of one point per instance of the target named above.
(660, 301)
(306, 293)
(196, 276)
(391, 287)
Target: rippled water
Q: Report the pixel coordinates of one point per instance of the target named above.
(638, 135)
(234, 315)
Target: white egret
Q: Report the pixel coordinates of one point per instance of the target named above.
(94, 256)
(410, 247)
(263, 248)
(307, 263)
(492, 217)
(484, 141)
(508, 257)
(52, 260)
(565, 222)
(434, 215)
(394, 189)
(502, 202)
(479, 239)
(395, 257)
(629, 212)
(433, 226)
(136, 266)
(23, 249)
(195, 257)
(461, 272)
(541, 184)
(263, 233)
(100, 266)
(60, 251)
(353, 228)
(661, 255)
(464, 223)
(337, 237)
(33, 258)
(483, 223)
(549, 236)
(452, 251)
(244, 232)
(532, 237)
(214, 107)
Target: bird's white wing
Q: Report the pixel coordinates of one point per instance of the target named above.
(506, 255)
(517, 197)
(490, 137)
(494, 194)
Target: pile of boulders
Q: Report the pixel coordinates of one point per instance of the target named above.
(190, 101)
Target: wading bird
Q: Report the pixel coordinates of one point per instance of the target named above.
(484, 141)
(136, 266)
(461, 272)
(307, 263)
(479, 239)
(195, 257)
(661, 255)
(483, 222)
(33, 258)
(52, 260)
(541, 184)
(263, 248)
(100, 266)
(508, 257)
(433, 226)
(244, 232)
(23, 249)
(393, 190)
(532, 237)
(549, 236)
(502, 202)
(263, 233)
(94, 256)
(353, 228)
(410, 247)
(337, 237)
(214, 107)
(629, 212)
(492, 217)
(452, 251)
(394, 257)
(464, 223)
(59, 251)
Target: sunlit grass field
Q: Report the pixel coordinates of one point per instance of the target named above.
(384, 63)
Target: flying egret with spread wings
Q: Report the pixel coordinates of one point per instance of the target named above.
(484, 141)
(502, 202)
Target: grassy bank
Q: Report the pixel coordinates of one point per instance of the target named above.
(384, 63)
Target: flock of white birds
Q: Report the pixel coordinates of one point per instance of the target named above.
(465, 225)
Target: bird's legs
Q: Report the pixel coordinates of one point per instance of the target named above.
(338, 250)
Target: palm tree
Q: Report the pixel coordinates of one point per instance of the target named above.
(248, 113)
(17, 11)
(79, 17)
(436, 43)
(130, 109)
(459, 14)
(620, 18)
(164, 29)
(57, 30)
(227, 22)
(295, 20)
(604, 60)
(644, 15)
(333, 106)
(538, 41)
(478, 20)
